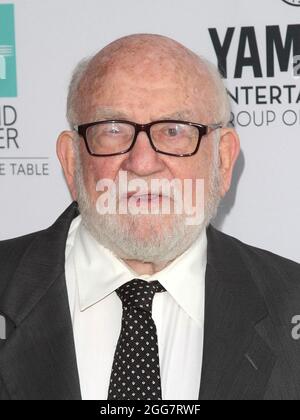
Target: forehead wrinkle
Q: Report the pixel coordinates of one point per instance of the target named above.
(110, 113)
(144, 61)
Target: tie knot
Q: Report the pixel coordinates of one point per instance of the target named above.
(139, 293)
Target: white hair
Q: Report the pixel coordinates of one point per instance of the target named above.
(221, 108)
(72, 99)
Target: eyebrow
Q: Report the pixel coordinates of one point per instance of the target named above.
(113, 114)
(109, 113)
(179, 115)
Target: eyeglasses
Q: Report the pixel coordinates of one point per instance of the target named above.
(169, 137)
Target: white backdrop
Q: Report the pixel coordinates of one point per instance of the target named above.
(263, 206)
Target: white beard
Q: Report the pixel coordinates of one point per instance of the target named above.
(164, 238)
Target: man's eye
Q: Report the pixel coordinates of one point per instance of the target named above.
(173, 131)
(112, 129)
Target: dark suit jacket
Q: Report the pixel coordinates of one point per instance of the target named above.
(251, 298)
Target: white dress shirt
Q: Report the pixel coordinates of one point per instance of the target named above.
(93, 273)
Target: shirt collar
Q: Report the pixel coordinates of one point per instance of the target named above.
(99, 272)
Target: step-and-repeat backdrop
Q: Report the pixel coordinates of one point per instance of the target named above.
(256, 43)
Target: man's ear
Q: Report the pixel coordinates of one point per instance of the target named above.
(228, 151)
(66, 155)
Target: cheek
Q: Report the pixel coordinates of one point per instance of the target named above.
(192, 168)
(188, 171)
(198, 167)
(96, 169)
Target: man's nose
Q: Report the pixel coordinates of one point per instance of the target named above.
(143, 159)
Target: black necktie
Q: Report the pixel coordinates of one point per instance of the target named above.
(135, 372)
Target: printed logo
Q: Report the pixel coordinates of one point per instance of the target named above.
(8, 73)
(292, 2)
(261, 66)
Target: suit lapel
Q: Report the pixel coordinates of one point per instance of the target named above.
(237, 362)
(38, 360)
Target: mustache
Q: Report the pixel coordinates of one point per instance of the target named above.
(156, 188)
(145, 192)
(123, 188)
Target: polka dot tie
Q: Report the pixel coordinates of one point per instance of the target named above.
(135, 372)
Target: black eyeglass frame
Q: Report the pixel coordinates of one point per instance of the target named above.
(202, 130)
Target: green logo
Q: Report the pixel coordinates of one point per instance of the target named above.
(8, 73)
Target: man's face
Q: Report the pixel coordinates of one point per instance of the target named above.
(152, 89)
(143, 95)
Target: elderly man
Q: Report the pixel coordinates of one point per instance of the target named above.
(141, 305)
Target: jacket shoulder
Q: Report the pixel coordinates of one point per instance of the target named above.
(265, 266)
(14, 251)
(11, 253)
